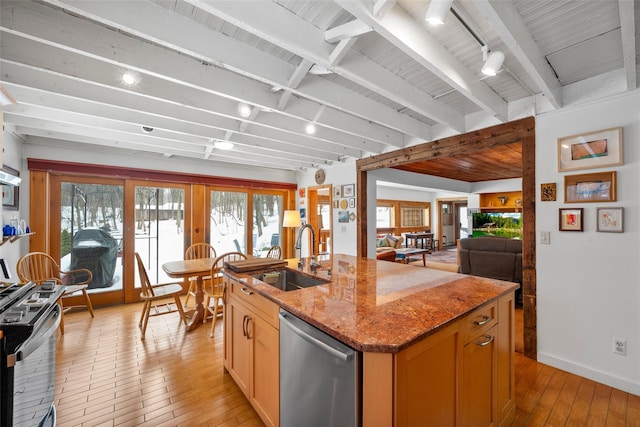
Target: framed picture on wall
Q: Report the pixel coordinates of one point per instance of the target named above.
(610, 220)
(10, 193)
(590, 187)
(590, 150)
(337, 192)
(571, 219)
(349, 190)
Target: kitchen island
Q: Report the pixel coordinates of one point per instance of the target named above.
(437, 347)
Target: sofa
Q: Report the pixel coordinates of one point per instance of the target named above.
(494, 257)
(386, 244)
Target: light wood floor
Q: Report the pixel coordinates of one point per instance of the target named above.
(107, 376)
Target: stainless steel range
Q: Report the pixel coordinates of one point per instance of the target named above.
(29, 317)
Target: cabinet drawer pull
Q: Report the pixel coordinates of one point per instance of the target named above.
(244, 325)
(248, 322)
(484, 320)
(246, 291)
(487, 341)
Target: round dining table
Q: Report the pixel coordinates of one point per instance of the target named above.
(197, 268)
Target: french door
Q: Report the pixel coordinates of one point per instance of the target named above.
(98, 223)
(247, 221)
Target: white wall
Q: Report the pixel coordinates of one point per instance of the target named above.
(588, 282)
(344, 234)
(12, 157)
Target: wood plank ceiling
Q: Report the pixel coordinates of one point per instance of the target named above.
(371, 76)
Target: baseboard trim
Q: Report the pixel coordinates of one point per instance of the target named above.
(592, 374)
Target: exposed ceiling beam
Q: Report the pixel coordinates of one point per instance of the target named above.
(346, 31)
(628, 30)
(301, 70)
(509, 25)
(183, 82)
(341, 50)
(381, 7)
(400, 29)
(230, 54)
(307, 41)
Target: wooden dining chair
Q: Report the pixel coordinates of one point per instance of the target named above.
(275, 252)
(155, 298)
(214, 290)
(38, 267)
(197, 251)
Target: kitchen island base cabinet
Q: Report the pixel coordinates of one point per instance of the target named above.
(461, 375)
(252, 353)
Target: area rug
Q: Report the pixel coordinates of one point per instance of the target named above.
(448, 256)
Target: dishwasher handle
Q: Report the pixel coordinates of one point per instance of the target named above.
(346, 357)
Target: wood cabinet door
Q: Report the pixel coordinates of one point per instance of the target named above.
(479, 378)
(506, 364)
(239, 345)
(426, 380)
(265, 384)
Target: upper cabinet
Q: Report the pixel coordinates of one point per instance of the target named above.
(507, 201)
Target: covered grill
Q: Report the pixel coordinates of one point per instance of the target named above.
(95, 250)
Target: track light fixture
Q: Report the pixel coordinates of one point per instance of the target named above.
(492, 61)
(438, 10)
(244, 109)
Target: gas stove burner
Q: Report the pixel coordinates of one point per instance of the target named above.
(12, 317)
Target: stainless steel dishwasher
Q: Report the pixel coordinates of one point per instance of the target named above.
(319, 377)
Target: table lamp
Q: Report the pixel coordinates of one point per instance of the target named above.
(291, 219)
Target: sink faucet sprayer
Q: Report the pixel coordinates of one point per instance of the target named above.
(314, 265)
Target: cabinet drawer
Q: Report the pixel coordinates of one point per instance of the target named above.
(479, 321)
(264, 308)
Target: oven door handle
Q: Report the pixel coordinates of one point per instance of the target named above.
(33, 344)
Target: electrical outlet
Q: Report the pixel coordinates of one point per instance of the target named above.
(545, 238)
(620, 346)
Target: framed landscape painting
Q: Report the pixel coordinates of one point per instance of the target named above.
(590, 187)
(590, 150)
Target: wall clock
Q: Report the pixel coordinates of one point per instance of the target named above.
(320, 176)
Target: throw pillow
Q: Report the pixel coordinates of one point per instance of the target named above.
(393, 240)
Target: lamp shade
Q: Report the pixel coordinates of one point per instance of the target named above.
(493, 63)
(291, 219)
(438, 10)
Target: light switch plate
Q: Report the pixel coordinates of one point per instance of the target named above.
(545, 238)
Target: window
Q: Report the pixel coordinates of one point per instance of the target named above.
(384, 216)
(413, 217)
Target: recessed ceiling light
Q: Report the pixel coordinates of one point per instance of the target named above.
(310, 128)
(223, 145)
(244, 109)
(130, 78)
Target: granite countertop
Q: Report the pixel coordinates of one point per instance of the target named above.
(380, 306)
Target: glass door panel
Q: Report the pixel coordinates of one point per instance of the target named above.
(227, 216)
(91, 224)
(267, 223)
(159, 238)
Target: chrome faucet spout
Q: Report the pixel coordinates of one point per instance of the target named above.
(313, 240)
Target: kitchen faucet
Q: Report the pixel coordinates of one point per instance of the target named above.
(314, 265)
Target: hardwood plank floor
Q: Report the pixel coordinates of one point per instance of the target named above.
(107, 376)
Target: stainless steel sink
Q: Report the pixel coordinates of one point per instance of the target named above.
(289, 280)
